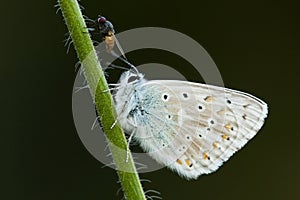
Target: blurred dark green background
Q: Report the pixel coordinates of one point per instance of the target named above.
(255, 44)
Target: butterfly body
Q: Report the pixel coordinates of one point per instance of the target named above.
(191, 128)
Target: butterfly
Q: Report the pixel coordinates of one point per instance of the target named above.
(191, 128)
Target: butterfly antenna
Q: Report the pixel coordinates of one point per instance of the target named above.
(112, 66)
(125, 61)
(128, 144)
(119, 46)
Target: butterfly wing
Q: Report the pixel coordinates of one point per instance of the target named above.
(193, 128)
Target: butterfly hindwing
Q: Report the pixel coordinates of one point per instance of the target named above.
(192, 128)
(198, 126)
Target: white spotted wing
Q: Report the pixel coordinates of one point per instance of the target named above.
(190, 127)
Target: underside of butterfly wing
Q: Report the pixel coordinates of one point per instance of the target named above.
(193, 128)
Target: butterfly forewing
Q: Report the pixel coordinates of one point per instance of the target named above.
(158, 127)
(192, 128)
(218, 122)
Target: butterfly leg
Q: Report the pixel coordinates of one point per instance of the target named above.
(130, 138)
(110, 89)
(115, 122)
(128, 144)
(124, 60)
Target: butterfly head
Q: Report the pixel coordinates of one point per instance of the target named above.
(129, 83)
(130, 77)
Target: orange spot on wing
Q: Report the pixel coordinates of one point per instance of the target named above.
(222, 112)
(206, 156)
(209, 99)
(216, 145)
(225, 137)
(188, 162)
(179, 161)
(228, 126)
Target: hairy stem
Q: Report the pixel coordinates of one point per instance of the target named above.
(104, 103)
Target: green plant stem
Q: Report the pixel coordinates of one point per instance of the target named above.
(104, 103)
